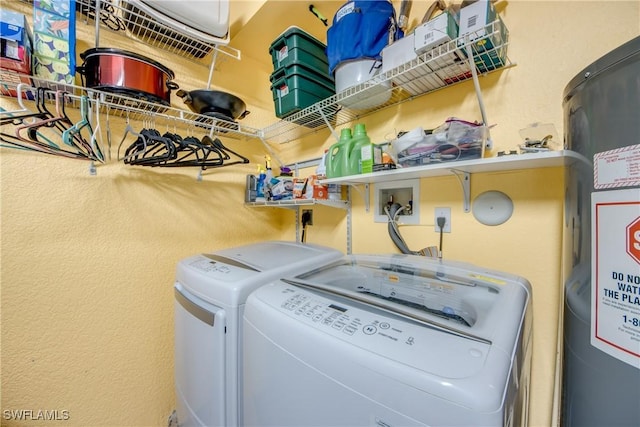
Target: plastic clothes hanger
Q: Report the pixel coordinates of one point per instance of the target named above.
(52, 121)
(157, 150)
(197, 154)
(32, 141)
(207, 140)
(69, 134)
(128, 130)
(78, 142)
(23, 109)
(93, 142)
(53, 149)
(18, 116)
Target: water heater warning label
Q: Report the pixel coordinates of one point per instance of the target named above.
(615, 272)
(617, 168)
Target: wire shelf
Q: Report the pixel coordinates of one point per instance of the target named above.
(125, 17)
(440, 67)
(294, 203)
(130, 108)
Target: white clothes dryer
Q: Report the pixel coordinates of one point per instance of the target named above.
(388, 341)
(210, 293)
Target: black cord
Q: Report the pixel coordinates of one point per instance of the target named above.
(441, 223)
(306, 216)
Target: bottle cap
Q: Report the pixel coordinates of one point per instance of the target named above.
(359, 129)
(345, 133)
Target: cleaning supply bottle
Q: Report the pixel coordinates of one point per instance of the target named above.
(321, 170)
(337, 158)
(260, 185)
(268, 172)
(360, 140)
(267, 177)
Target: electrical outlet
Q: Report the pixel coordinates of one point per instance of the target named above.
(442, 212)
(308, 212)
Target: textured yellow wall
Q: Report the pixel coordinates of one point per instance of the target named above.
(88, 261)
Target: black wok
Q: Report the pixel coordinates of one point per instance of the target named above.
(214, 102)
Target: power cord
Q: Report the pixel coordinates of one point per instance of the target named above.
(306, 218)
(441, 221)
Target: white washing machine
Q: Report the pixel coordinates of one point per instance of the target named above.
(210, 292)
(388, 341)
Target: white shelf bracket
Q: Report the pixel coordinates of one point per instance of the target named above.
(364, 195)
(327, 122)
(465, 183)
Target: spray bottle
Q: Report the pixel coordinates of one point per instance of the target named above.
(267, 178)
(260, 185)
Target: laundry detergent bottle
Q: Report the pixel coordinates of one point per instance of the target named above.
(360, 139)
(337, 158)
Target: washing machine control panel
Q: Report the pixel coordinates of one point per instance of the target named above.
(347, 320)
(374, 330)
(330, 314)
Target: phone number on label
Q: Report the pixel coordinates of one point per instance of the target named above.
(635, 321)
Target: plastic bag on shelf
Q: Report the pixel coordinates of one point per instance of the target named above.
(454, 140)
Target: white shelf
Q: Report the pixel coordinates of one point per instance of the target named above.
(464, 169)
(294, 203)
(489, 164)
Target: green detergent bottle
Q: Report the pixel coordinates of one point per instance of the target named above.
(360, 139)
(337, 158)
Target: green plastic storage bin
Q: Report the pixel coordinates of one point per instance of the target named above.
(295, 88)
(296, 47)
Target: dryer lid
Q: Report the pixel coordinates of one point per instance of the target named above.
(227, 276)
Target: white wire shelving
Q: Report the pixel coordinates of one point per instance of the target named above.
(130, 108)
(438, 68)
(127, 18)
(445, 65)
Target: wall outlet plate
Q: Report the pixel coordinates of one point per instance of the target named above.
(442, 212)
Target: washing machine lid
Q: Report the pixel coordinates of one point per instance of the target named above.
(227, 276)
(456, 298)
